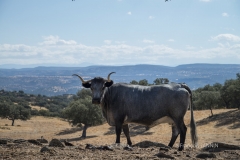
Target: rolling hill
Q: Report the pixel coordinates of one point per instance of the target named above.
(58, 80)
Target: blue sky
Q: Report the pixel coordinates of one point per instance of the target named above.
(119, 32)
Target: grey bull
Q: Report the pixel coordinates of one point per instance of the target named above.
(147, 105)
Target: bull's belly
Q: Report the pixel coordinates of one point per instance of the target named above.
(165, 119)
(150, 123)
(110, 121)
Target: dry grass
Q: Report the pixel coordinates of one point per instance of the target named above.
(34, 128)
(104, 134)
(38, 107)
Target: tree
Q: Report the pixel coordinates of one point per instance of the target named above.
(143, 82)
(207, 100)
(226, 93)
(14, 112)
(210, 99)
(84, 93)
(133, 82)
(43, 112)
(82, 111)
(230, 92)
(54, 104)
(157, 81)
(160, 81)
(238, 76)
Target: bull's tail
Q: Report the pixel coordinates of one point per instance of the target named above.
(193, 128)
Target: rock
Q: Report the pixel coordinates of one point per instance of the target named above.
(56, 143)
(216, 147)
(206, 155)
(33, 141)
(90, 146)
(147, 144)
(68, 143)
(106, 148)
(42, 140)
(164, 149)
(163, 155)
(9, 140)
(44, 149)
(187, 155)
(3, 141)
(19, 141)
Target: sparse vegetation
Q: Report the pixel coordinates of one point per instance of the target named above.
(17, 105)
(144, 82)
(218, 96)
(5, 128)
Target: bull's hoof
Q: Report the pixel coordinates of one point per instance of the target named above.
(180, 148)
(130, 144)
(128, 148)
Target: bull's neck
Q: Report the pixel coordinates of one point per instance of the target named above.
(104, 97)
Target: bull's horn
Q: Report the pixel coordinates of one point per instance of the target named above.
(81, 78)
(108, 78)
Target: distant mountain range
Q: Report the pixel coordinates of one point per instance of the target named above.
(58, 80)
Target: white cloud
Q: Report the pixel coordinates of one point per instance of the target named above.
(129, 13)
(148, 41)
(107, 42)
(151, 17)
(16, 48)
(117, 54)
(225, 14)
(226, 37)
(171, 40)
(55, 40)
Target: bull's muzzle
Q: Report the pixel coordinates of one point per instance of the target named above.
(95, 101)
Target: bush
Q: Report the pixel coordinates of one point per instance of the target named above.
(34, 112)
(43, 112)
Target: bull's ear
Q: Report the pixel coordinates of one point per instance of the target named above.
(108, 84)
(86, 85)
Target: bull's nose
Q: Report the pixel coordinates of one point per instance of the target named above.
(95, 101)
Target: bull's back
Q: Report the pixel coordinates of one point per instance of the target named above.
(139, 96)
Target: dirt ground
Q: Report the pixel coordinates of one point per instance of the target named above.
(220, 135)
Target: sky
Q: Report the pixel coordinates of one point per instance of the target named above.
(119, 32)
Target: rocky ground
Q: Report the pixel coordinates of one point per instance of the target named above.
(219, 138)
(55, 149)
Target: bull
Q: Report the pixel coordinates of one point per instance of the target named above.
(122, 104)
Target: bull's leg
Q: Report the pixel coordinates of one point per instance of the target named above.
(183, 130)
(175, 134)
(126, 132)
(118, 129)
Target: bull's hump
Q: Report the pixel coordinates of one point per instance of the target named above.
(172, 86)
